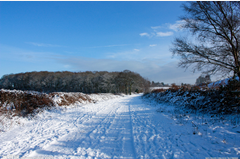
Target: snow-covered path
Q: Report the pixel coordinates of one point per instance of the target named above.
(118, 128)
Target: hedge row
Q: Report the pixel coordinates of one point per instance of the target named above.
(225, 100)
(22, 103)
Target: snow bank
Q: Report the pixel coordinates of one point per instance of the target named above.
(211, 101)
(212, 135)
(223, 82)
(73, 98)
(16, 104)
(154, 88)
(22, 103)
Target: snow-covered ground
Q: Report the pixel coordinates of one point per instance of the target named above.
(60, 100)
(153, 88)
(126, 127)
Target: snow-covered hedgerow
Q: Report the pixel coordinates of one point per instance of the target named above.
(221, 83)
(223, 101)
(16, 104)
(70, 98)
(22, 103)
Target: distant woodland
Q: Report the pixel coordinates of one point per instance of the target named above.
(86, 82)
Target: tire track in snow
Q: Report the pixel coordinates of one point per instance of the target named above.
(131, 124)
(153, 138)
(41, 134)
(94, 127)
(103, 124)
(118, 128)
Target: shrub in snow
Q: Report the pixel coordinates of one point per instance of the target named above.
(221, 83)
(62, 98)
(71, 98)
(225, 100)
(23, 103)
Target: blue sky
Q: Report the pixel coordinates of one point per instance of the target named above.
(92, 36)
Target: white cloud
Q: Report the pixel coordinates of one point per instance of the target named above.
(165, 29)
(156, 27)
(152, 63)
(66, 66)
(157, 34)
(144, 34)
(160, 51)
(177, 26)
(152, 45)
(126, 55)
(17, 60)
(167, 73)
(109, 46)
(164, 33)
(43, 45)
(19, 54)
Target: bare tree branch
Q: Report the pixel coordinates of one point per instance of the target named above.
(216, 26)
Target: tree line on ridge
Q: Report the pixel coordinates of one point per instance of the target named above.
(86, 82)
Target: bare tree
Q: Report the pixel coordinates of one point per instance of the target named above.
(216, 29)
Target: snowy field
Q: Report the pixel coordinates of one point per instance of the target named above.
(126, 127)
